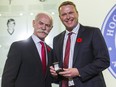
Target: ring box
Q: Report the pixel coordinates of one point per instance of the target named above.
(56, 66)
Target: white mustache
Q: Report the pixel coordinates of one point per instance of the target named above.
(42, 31)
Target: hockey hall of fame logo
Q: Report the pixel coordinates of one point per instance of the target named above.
(109, 33)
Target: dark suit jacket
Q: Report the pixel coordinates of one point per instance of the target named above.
(23, 66)
(91, 56)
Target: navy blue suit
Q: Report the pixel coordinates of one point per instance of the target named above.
(90, 57)
(23, 66)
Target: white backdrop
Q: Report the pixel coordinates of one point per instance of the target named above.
(91, 13)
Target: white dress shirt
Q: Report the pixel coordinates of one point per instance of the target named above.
(38, 46)
(73, 40)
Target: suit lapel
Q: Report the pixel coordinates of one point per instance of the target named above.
(77, 44)
(61, 49)
(49, 57)
(33, 51)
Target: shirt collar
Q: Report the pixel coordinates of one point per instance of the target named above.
(36, 39)
(75, 30)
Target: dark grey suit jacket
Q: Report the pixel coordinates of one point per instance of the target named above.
(91, 56)
(23, 66)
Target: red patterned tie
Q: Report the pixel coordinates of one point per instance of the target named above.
(67, 51)
(66, 59)
(43, 55)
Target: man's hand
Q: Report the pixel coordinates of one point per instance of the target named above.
(53, 72)
(70, 72)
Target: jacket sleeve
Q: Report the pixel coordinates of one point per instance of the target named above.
(11, 67)
(101, 59)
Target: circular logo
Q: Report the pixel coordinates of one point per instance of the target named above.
(109, 33)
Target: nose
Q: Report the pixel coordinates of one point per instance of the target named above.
(67, 16)
(43, 26)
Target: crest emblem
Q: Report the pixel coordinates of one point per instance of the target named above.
(109, 33)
